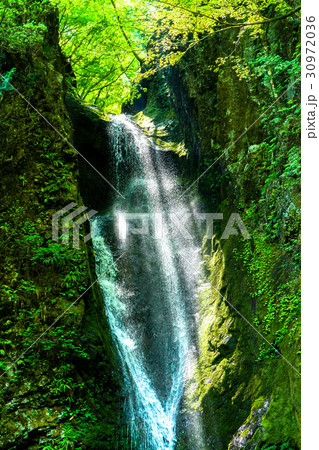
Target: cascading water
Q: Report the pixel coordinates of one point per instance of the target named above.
(149, 297)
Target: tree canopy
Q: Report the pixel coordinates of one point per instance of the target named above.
(107, 42)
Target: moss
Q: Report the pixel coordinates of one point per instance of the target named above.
(68, 376)
(230, 382)
(254, 171)
(160, 132)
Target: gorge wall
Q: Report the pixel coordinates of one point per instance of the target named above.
(64, 390)
(247, 394)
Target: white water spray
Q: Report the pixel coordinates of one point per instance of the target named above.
(149, 302)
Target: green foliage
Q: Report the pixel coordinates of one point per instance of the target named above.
(189, 23)
(105, 44)
(63, 274)
(5, 80)
(285, 446)
(278, 304)
(66, 341)
(84, 428)
(21, 26)
(41, 279)
(274, 66)
(270, 197)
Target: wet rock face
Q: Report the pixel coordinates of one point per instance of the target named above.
(68, 375)
(247, 431)
(243, 395)
(92, 140)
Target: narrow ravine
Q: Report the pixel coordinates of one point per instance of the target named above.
(150, 296)
(178, 326)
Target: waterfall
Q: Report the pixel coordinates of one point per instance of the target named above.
(148, 280)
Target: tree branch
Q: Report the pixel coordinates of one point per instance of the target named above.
(231, 25)
(140, 60)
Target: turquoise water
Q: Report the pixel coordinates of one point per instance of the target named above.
(150, 295)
